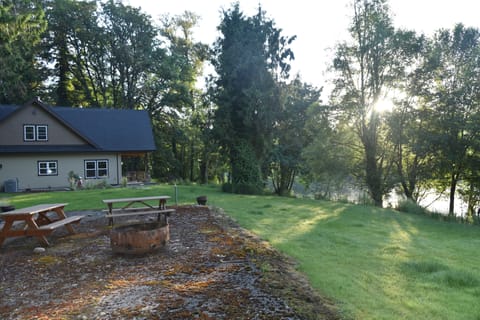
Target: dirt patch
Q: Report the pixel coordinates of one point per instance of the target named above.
(210, 269)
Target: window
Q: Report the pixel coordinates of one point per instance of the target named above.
(95, 169)
(42, 133)
(47, 168)
(29, 133)
(35, 132)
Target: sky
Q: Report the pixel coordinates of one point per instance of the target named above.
(318, 25)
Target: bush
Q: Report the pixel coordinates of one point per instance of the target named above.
(74, 180)
(244, 188)
(410, 206)
(227, 187)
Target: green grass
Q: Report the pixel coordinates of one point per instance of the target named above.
(376, 264)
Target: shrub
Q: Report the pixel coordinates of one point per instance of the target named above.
(244, 188)
(410, 206)
(227, 187)
(74, 180)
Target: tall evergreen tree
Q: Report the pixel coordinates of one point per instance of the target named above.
(248, 58)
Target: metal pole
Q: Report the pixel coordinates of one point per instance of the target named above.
(176, 195)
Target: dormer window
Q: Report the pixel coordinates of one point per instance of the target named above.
(37, 132)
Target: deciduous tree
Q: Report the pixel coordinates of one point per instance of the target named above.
(365, 70)
(290, 135)
(450, 89)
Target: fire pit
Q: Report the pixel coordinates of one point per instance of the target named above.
(139, 238)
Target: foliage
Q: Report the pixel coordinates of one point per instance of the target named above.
(22, 23)
(184, 63)
(366, 69)
(227, 187)
(68, 45)
(332, 155)
(74, 180)
(254, 124)
(108, 54)
(290, 133)
(414, 165)
(449, 87)
(248, 58)
(246, 176)
(410, 206)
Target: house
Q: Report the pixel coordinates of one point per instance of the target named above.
(40, 145)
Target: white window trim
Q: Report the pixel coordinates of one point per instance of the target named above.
(25, 127)
(48, 163)
(38, 134)
(36, 128)
(96, 169)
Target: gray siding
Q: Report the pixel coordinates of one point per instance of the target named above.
(24, 168)
(11, 130)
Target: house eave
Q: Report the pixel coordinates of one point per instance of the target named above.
(64, 149)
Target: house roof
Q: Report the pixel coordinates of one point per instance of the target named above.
(6, 110)
(114, 130)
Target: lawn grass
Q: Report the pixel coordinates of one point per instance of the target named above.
(376, 264)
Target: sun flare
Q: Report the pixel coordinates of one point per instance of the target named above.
(384, 105)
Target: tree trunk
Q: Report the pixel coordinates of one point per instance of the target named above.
(453, 187)
(204, 168)
(192, 159)
(471, 201)
(373, 176)
(374, 184)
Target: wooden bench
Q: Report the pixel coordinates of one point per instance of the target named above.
(64, 222)
(133, 209)
(127, 213)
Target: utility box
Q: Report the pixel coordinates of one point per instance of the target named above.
(10, 186)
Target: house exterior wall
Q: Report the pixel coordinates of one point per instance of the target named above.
(24, 167)
(11, 130)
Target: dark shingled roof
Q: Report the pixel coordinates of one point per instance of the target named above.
(6, 110)
(111, 129)
(116, 130)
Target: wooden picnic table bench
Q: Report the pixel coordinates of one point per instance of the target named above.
(36, 221)
(129, 209)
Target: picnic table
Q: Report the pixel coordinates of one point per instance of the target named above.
(130, 207)
(36, 221)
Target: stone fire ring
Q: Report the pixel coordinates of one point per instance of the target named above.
(139, 238)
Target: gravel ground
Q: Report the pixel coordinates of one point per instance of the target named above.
(210, 269)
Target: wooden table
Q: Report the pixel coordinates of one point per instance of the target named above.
(129, 208)
(36, 221)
